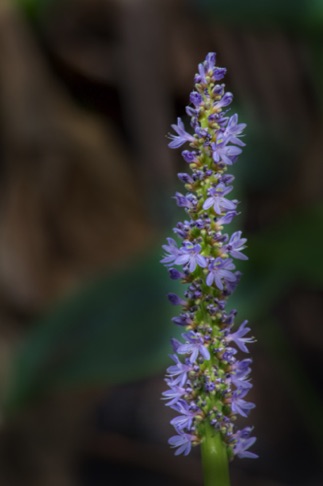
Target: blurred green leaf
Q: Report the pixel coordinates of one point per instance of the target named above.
(114, 330)
(307, 14)
(30, 6)
(34, 8)
(279, 256)
(257, 294)
(294, 245)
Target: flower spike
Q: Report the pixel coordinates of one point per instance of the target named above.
(207, 383)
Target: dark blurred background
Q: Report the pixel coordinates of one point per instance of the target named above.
(88, 91)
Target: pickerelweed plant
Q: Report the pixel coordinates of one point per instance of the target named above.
(208, 382)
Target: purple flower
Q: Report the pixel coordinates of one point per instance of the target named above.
(210, 60)
(192, 113)
(228, 354)
(183, 442)
(241, 383)
(236, 245)
(231, 286)
(174, 394)
(188, 201)
(178, 372)
(239, 405)
(185, 420)
(226, 178)
(217, 200)
(182, 229)
(175, 300)
(189, 156)
(242, 368)
(172, 250)
(233, 130)
(194, 347)
(239, 339)
(243, 443)
(204, 69)
(196, 98)
(190, 255)
(227, 218)
(225, 153)
(181, 137)
(220, 270)
(175, 344)
(208, 68)
(186, 178)
(183, 319)
(240, 373)
(175, 274)
(225, 101)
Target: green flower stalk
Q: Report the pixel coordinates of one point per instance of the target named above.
(208, 383)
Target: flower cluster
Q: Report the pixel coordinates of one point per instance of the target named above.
(208, 382)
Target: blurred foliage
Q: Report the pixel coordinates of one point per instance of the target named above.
(303, 14)
(34, 7)
(280, 256)
(115, 330)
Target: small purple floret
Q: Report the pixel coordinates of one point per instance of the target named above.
(181, 137)
(183, 442)
(190, 255)
(194, 347)
(236, 245)
(239, 339)
(239, 405)
(244, 442)
(173, 251)
(220, 272)
(217, 200)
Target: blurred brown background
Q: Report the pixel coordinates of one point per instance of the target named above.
(88, 90)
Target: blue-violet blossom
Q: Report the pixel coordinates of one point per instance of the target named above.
(207, 383)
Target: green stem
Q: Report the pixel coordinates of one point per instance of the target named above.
(214, 460)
